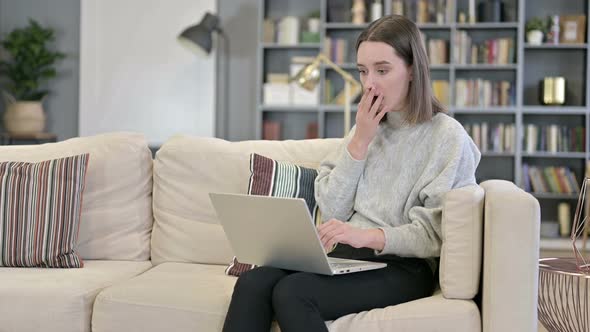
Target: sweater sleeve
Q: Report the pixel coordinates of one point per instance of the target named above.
(452, 167)
(337, 181)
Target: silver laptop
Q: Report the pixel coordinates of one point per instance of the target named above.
(278, 232)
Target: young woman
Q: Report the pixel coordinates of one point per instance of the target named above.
(380, 195)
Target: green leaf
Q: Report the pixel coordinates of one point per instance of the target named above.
(30, 60)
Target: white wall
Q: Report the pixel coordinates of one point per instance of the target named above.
(135, 75)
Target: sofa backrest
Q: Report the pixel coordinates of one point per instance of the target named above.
(512, 219)
(116, 216)
(187, 169)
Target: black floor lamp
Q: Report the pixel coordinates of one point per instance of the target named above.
(200, 36)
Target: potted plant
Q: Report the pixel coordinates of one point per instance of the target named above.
(314, 21)
(312, 34)
(535, 30)
(29, 63)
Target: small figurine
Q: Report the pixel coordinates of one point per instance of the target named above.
(358, 12)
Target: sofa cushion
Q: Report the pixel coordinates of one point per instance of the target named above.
(116, 215)
(269, 177)
(282, 179)
(187, 169)
(171, 296)
(434, 313)
(37, 299)
(194, 297)
(462, 235)
(40, 212)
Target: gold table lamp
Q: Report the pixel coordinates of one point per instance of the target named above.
(309, 76)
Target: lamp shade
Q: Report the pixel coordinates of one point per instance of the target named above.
(201, 34)
(309, 76)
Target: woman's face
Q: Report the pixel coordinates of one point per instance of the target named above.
(380, 68)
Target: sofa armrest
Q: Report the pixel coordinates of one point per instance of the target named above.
(510, 258)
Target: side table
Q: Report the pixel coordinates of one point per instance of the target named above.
(564, 296)
(13, 139)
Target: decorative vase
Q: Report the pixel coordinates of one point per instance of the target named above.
(553, 90)
(535, 37)
(313, 25)
(23, 117)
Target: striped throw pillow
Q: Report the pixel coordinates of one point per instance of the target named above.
(269, 177)
(40, 206)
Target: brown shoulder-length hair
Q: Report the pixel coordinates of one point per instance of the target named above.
(405, 38)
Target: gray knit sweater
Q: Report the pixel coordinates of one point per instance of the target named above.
(400, 184)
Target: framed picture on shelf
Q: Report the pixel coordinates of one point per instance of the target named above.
(573, 28)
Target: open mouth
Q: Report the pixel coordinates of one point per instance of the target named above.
(374, 100)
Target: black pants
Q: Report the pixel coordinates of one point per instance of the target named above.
(303, 301)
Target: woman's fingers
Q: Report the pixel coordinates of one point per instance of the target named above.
(331, 243)
(327, 227)
(368, 99)
(381, 114)
(331, 234)
(328, 232)
(328, 224)
(376, 105)
(364, 98)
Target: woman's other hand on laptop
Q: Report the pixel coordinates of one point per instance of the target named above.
(335, 231)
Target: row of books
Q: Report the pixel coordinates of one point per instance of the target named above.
(271, 130)
(438, 52)
(484, 93)
(336, 49)
(284, 30)
(554, 138)
(499, 137)
(440, 88)
(553, 179)
(499, 51)
(423, 11)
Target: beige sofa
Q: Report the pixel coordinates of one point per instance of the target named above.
(155, 255)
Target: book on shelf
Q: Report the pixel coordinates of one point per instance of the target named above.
(328, 91)
(484, 93)
(423, 11)
(554, 138)
(271, 130)
(564, 218)
(276, 94)
(288, 30)
(440, 89)
(552, 179)
(336, 49)
(526, 179)
(269, 31)
(498, 138)
(498, 51)
(312, 130)
(277, 78)
(438, 52)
